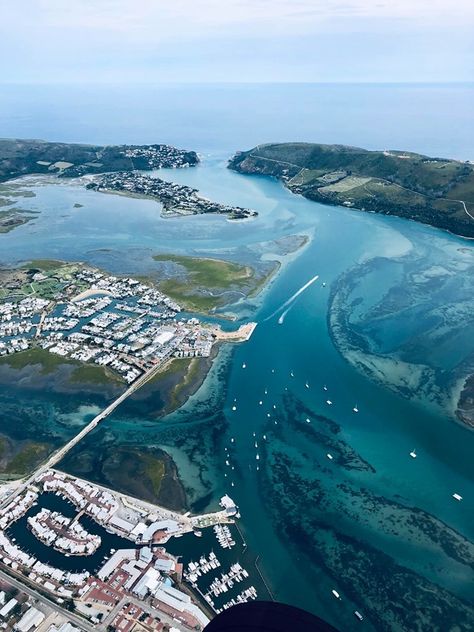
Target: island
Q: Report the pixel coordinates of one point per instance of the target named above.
(434, 191)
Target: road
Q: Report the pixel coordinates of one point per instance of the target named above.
(70, 616)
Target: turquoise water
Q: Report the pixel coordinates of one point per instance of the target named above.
(391, 331)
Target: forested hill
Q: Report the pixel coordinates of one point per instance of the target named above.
(22, 157)
(434, 191)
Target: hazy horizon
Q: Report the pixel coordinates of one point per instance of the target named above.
(244, 41)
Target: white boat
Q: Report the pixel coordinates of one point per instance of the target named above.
(336, 594)
(244, 366)
(330, 456)
(254, 434)
(413, 454)
(329, 402)
(257, 457)
(234, 407)
(308, 420)
(273, 370)
(265, 437)
(325, 388)
(292, 374)
(307, 385)
(355, 409)
(232, 440)
(358, 615)
(266, 391)
(260, 402)
(256, 444)
(457, 497)
(324, 284)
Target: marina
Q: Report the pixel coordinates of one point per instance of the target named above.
(374, 258)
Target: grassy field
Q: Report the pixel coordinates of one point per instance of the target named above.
(154, 470)
(49, 362)
(205, 280)
(212, 273)
(94, 374)
(174, 367)
(45, 265)
(400, 183)
(27, 459)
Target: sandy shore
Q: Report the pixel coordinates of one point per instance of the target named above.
(242, 334)
(89, 293)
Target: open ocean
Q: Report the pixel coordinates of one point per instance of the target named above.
(391, 332)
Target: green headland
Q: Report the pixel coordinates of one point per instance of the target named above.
(435, 191)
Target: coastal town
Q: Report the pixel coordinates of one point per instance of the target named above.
(20, 157)
(138, 586)
(86, 316)
(100, 556)
(176, 199)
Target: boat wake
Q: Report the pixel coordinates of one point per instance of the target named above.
(281, 320)
(288, 303)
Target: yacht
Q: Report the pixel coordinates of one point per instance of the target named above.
(307, 385)
(257, 457)
(355, 409)
(265, 437)
(413, 454)
(330, 456)
(325, 388)
(308, 420)
(266, 391)
(336, 594)
(358, 615)
(260, 402)
(232, 440)
(329, 402)
(457, 497)
(256, 444)
(234, 407)
(292, 374)
(244, 366)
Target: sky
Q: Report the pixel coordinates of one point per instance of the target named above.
(88, 41)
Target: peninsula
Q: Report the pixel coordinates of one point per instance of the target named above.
(176, 199)
(111, 169)
(69, 160)
(435, 191)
